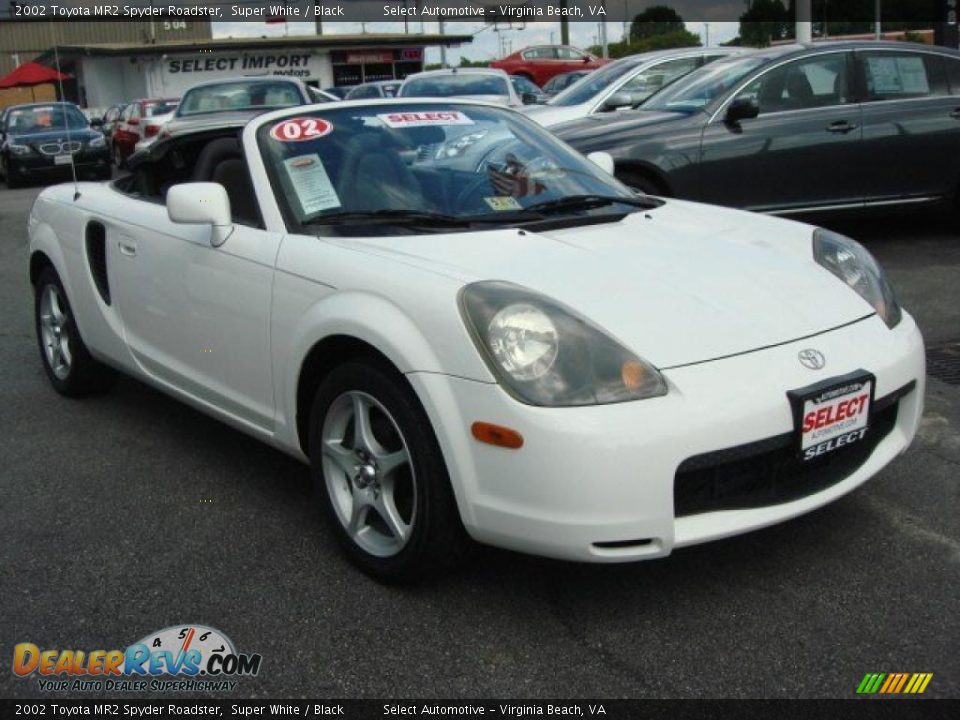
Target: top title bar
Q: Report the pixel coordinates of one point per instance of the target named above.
(915, 12)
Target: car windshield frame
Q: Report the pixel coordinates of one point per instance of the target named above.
(564, 173)
(681, 96)
(185, 101)
(452, 79)
(77, 120)
(593, 84)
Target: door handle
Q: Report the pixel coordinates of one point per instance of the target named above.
(841, 126)
(128, 249)
(955, 114)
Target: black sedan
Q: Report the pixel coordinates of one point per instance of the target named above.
(43, 140)
(828, 126)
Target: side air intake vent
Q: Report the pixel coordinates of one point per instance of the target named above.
(97, 257)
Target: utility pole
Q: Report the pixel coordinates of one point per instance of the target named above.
(706, 34)
(443, 48)
(564, 24)
(876, 20)
(804, 30)
(603, 32)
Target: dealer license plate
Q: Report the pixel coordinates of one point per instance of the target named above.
(61, 159)
(833, 414)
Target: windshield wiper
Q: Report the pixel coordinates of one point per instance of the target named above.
(589, 202)
(396, 216)
(420, 218)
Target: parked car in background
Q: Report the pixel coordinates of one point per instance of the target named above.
(559, 83)
(152, 127)
(42, 140)
(541, 63)
(373, 90)
(338, 91)
(829, 126)
(108, 123)
(484, 84)
(140, 119)
(218, 101)
(529, 93)
(625, 83)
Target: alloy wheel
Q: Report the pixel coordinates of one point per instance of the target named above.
(369, 473)
(54, 332)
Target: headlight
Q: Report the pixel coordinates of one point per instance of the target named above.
(545, 354)
(850, 261)
(98, 142)
(19, 149)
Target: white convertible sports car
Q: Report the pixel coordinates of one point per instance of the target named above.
(471, 331)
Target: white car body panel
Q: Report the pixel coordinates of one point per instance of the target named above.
(227, 330)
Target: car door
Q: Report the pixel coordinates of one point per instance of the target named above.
(911, 126)
(197, 317)
(802, 151)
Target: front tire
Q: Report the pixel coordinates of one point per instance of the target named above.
(640, 183)
(69, 366)
(379, 475)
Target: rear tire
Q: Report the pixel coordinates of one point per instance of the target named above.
(384, 489)
(69, 366)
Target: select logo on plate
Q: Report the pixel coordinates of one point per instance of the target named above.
(181, 651)
(833, 414)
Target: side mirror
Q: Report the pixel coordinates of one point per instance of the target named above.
(96, 123)
(587, 58)
(603, 160)
(202, 203)
(530, 98)
(743, 108)
(618, 100)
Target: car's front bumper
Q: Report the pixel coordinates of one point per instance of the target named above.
(597, 483)
(38, 165)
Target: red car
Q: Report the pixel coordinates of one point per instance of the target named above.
(542, 62)
(132, 126)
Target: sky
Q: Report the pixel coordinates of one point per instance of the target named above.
(486, 43)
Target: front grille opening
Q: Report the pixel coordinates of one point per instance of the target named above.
(943, 362)
(769, 472)
(620, 544)
(96, 236)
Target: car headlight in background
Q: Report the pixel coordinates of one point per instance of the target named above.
(98, 142)
(852, 263)
(18, 149)
(545, 354)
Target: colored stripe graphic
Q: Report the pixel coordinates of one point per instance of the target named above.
(894, 683)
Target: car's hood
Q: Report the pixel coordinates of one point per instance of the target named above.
(634, 121)
(38, 138)
(550, 115)
(686, 284)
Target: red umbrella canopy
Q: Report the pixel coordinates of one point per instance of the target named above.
(30, 74)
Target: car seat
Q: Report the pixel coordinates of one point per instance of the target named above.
(221, 161)
(374, 177)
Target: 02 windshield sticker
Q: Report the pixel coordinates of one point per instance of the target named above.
(425, 119)
(312, 185)
(301, 129)
(502, 203)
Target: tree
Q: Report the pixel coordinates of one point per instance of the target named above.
(683, 38)
(656, 20)
(766, 21)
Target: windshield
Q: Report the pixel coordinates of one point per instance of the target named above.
(596, 82)
(160, 107)
(463, 163)
(451, 85)
(228, 96)
(44, 118)
(701, 87)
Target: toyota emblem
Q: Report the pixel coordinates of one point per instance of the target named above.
(812, 359)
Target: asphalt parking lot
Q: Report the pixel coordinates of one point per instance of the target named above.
(128, 513)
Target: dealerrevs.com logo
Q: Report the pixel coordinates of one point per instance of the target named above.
(181, 658)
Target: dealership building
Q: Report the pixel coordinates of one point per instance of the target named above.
(152, 64)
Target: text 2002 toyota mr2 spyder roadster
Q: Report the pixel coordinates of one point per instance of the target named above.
(471, 331)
